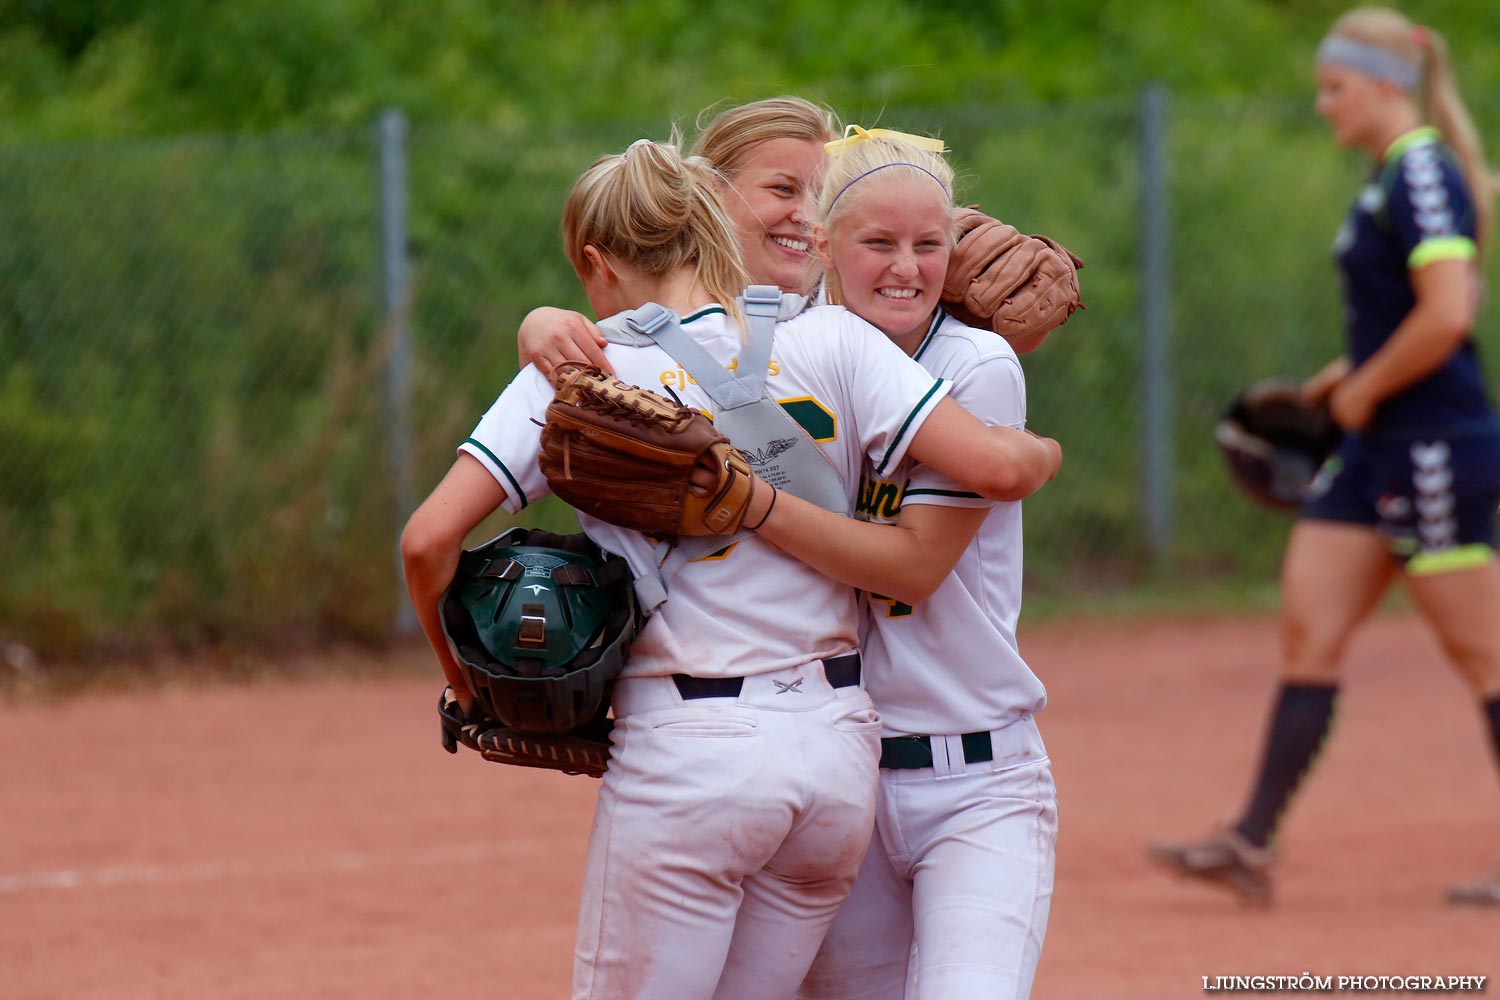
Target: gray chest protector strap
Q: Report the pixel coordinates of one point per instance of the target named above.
(780, 451)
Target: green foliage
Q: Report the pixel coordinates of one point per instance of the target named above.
(194, 440)
(185, 337)
(92, 67)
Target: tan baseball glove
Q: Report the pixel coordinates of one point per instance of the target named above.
(1022, 287)
(626, 455)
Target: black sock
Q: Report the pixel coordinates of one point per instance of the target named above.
(1492, 712)
(1299, 724)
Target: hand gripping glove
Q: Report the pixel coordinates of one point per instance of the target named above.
(584, 750)
(1273, 442)
(1022, 287)
(625, 455)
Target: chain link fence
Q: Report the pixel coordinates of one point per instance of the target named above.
(229, 366)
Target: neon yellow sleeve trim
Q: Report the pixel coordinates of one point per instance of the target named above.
(1441, 248)
(1448, 560)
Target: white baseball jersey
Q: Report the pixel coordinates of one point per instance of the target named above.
(951, 665)
(752, 608)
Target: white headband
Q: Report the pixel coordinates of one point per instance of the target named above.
(1370, 60)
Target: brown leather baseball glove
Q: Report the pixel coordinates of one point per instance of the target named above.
(1022, 287)
(584, 750)
(626, 455)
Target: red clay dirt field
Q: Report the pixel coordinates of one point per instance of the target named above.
(310, 839)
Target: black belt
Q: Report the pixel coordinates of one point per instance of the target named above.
(841, 671)
(908, 753)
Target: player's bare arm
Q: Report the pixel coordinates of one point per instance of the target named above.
(550, 337)
(1426, 338)
(430, 547)
(906, 560)
(1001, 463)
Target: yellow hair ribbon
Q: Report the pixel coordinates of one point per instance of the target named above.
(854, 134)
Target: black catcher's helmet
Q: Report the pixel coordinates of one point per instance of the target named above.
(541, 625)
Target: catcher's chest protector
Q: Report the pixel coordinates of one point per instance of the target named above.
(780, 449)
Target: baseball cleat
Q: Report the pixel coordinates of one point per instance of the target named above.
(1226, 858)
(1483, 892)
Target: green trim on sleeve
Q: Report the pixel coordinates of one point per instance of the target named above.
(1449, 560)
(943, 493)
(1442, 248)
(901, 434)
(501, 466)
(1406, 140)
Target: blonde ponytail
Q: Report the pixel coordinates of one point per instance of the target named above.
(1442, 105)
(1445, 108)
(659, 212)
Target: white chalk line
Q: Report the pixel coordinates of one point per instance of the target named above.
(210, 871)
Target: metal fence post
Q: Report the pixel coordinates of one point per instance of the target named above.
(397, 314)
(1155, 376)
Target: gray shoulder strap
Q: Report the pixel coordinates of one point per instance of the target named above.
(617, 329)
(651, 590)
(780, 449)
(728, 389)
(656, 324)
(764, 306)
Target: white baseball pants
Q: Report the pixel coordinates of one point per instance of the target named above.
(961, 866)
(726, 834)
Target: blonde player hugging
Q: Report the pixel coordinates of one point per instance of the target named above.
(961, 861)
(741, 786)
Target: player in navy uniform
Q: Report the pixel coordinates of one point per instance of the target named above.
(1413, 490)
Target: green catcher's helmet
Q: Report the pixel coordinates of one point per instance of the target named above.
(541, 625)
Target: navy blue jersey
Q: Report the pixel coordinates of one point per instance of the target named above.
(1416, 209)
